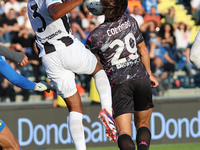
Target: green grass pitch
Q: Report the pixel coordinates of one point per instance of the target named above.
(191, 146)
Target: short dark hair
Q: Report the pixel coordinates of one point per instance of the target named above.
(113, 9)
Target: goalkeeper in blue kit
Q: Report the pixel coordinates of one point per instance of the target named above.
(15, 78)
(7, 139)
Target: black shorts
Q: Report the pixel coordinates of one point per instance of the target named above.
(132, 95)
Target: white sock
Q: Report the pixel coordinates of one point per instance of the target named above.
(76, 130)
(104, 90)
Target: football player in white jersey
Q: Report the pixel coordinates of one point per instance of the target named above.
(63, 56)
(195, 51)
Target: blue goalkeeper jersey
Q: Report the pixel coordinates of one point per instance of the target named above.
(15, 78)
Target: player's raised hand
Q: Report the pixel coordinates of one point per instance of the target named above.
(24, 62)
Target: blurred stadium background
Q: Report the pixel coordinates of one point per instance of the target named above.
(178, 104)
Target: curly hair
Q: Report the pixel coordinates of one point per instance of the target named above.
(113, 9)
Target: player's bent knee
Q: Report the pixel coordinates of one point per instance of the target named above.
(97, 68)
(125, 142)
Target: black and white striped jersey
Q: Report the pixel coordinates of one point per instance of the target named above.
(50, 34)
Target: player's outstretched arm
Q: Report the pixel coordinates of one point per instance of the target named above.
(20, 58)
(15, 78)
(57, 10)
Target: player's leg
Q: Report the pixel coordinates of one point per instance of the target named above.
(142, 114)
(75, 120)
(74, 106)
(142, 120)
(7, 139)
(124, 130)
(87, 63)
(103, 87)
(104, 90)
(64, 82)
(123, 106)
(82, 61)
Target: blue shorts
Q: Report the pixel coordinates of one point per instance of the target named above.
(2, 125)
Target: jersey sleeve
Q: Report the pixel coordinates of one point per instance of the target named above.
(15, 78)
(16, 56)
(50, 2)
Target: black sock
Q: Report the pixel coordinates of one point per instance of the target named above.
(125, 142)
(143, 138)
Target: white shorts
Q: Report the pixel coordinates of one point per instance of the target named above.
(195, 52)
(62, 65)
(198, 36)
